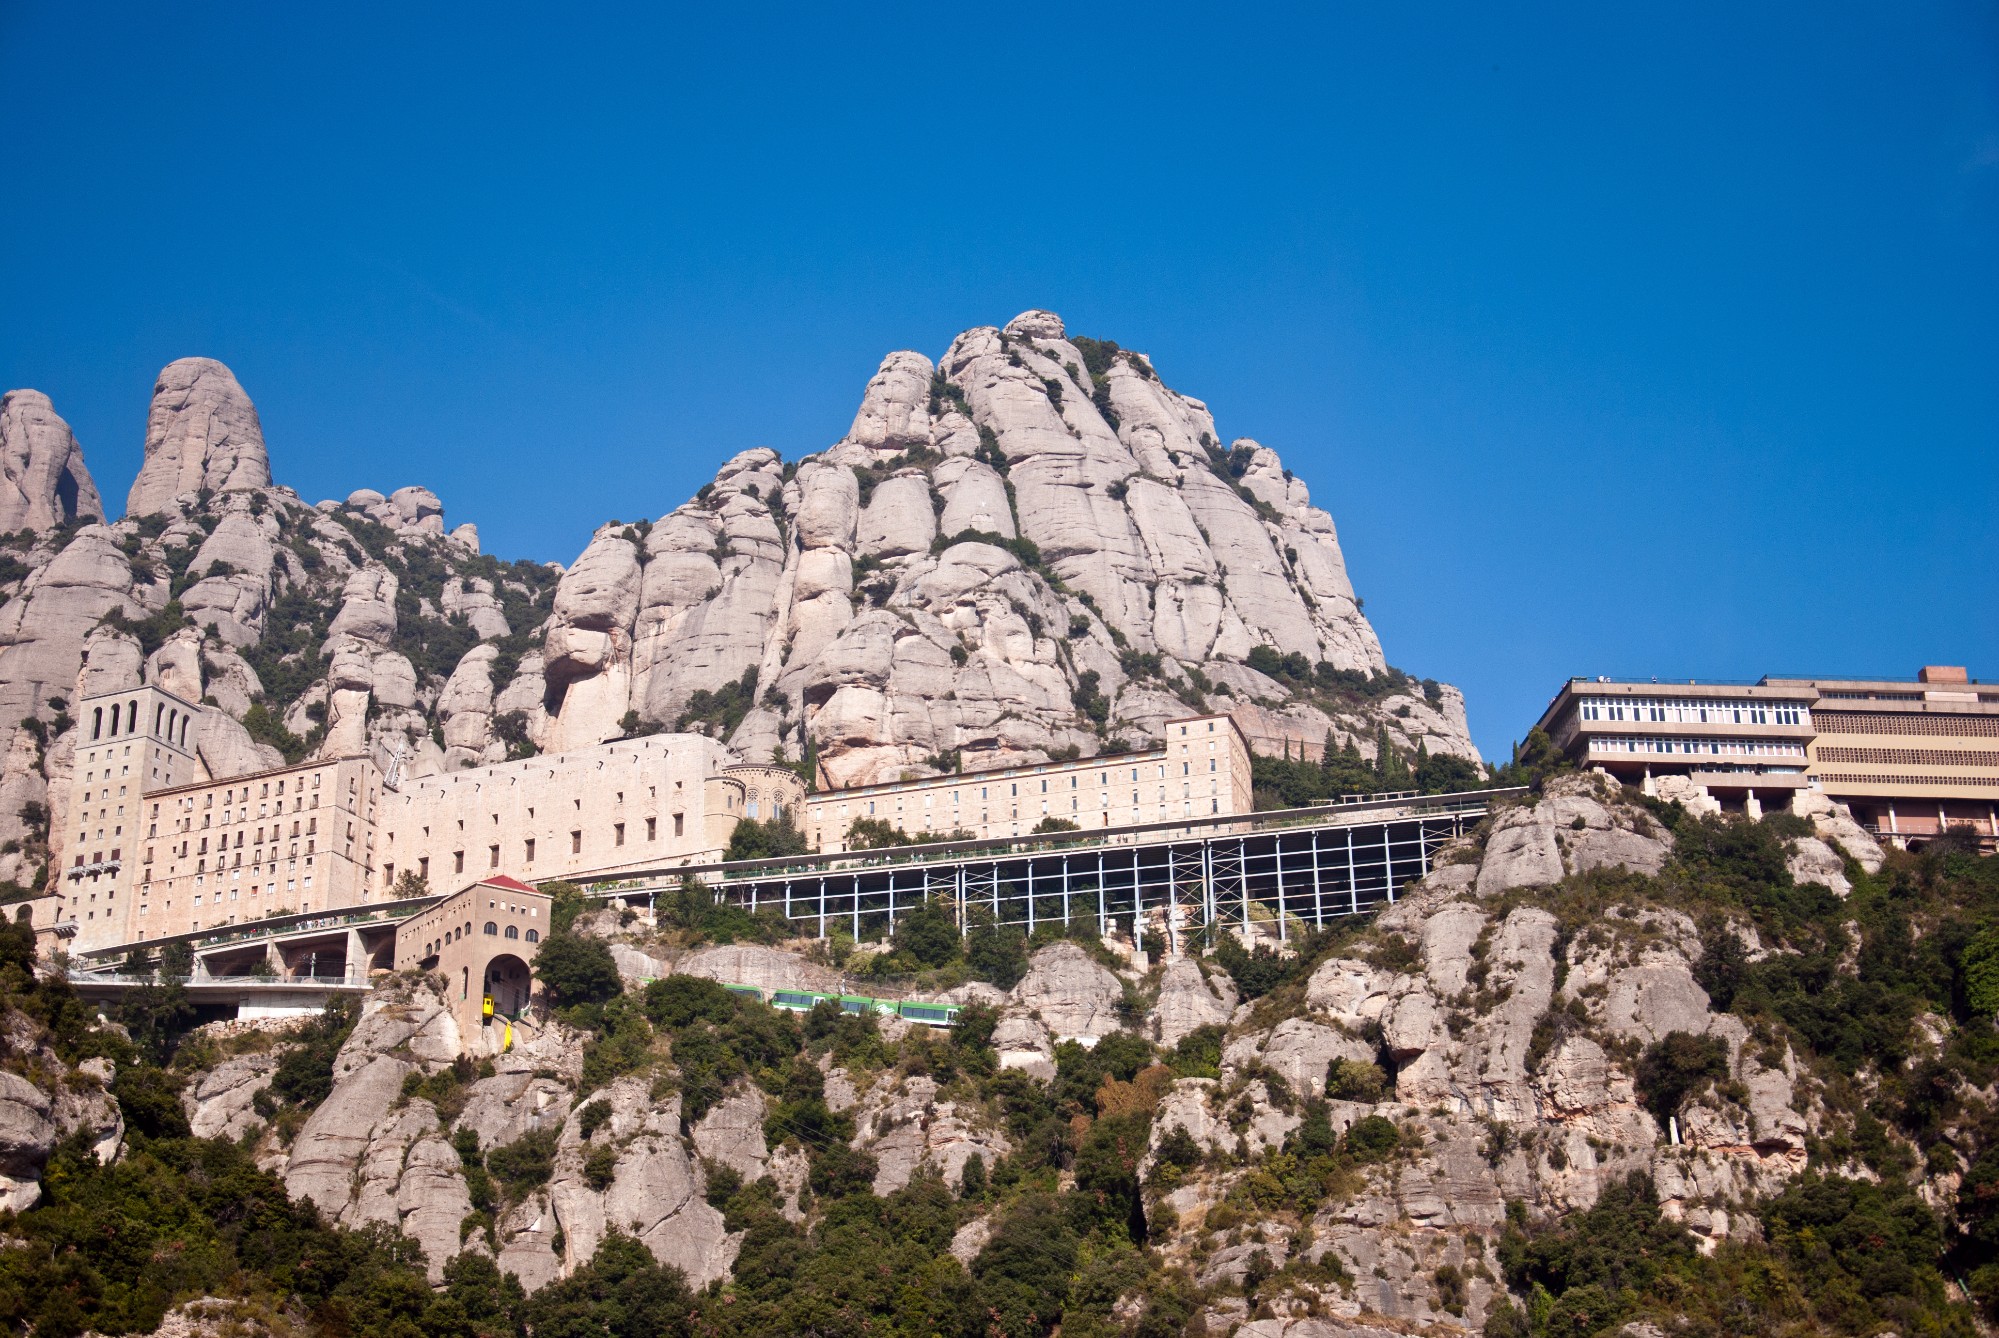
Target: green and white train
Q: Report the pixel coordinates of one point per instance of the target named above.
(804, 1001)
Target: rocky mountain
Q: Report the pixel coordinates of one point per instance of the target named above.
(1611, 1064)
(1031, 548)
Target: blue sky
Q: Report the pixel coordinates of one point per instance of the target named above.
(1617, 339)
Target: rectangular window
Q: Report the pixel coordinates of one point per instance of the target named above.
(528, 848)
(679, 824)
(576, 843)
(652, 829)
(458, 861)
(494, 851)
(617, 833)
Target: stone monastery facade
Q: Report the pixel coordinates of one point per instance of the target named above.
(1200, 770)
(157, 849)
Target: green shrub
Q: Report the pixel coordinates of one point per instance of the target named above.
(1372, 1138)
(1678, 1066)
(524, 1164)
(576, 969)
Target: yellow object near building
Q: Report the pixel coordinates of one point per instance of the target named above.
(486, 1006)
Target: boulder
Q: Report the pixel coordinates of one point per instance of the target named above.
(1074, 996)
(1189, 999)
(218, 1101)
(1833, 823)
(27, 1136)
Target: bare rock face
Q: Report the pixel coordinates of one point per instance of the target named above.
(43, 480)
(1070, 993)
(218, 1102)
(1190, 999)
(1811, 860)
(1578, 824)
(765, 968)
(732, 1133)
(409, 1177)
(656, 1194)
(860, 593)
(27, 1136)
(909, 1130)
(202, 432)
(1834, 824)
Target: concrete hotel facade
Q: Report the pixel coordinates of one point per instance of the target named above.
(1745, 745)
(1909, 757)
(1201, 770)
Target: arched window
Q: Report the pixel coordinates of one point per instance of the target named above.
(534, 936)
(492, 928)
(131, 717)
(97, 724)
(513, 932)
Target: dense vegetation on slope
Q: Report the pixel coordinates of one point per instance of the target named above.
(1887, 995)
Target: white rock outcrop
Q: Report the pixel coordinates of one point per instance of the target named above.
(43, 480)
(201, 433)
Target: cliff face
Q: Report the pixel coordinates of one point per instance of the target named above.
(1029, 548)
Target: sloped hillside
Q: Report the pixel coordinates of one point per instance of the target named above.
(1030, 549)
(1613, 1065)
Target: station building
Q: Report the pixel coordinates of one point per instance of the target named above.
(1201, 769)
(483, 941)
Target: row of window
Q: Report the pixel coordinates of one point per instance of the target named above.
(169, 723)
(1841, 778)
(1678, 711)
(528, 847)
(1699, 747)
(1888, 722)
(1911, 757)
(1013, 790)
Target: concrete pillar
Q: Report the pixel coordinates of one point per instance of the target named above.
(1752, 807)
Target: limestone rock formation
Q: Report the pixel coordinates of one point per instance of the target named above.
(1029, 547)
(1070, 993)
(861, 593)
(27, 1136)
(201, 433)
(1578, 825)
(43, 480)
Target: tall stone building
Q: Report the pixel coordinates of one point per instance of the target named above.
(131, 744)
(221, 852)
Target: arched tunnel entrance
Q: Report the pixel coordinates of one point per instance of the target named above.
(507, 984)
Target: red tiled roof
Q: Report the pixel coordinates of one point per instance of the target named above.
(501, 880)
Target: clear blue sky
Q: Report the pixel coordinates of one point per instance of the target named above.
(1617, 339)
